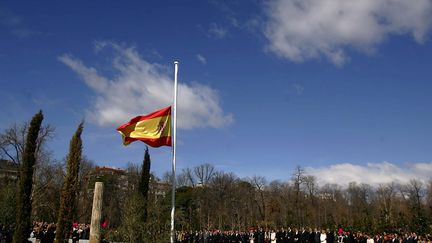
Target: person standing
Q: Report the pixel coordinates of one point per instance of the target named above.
(75, 235)
(304, 236)
(49, 234)
(260, 236)
(317, 236)
(330, 236)
(296, 235)
(290, 236)
(252, 236)
(272, 236)
(280, 235)
(395, 239)
(323, 237)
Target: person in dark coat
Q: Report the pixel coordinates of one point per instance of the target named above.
(260, 236)
(255, 236)
(290, 236)
(395, 239)
(75, 235)
(311, 236)
(304, 236)
(330, 236)
(351, 238)
(317, 236)
(244, 237)
(280, 235)
(38, 233)
(296, 236)
(49, 234)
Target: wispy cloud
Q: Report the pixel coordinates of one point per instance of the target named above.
(372, 173)
(9, 19)
(140, 87)
(15, 24)
(217, 31)
(299, 89)
(44, 101)
(24, 33)
(301, 30)
(201, 59)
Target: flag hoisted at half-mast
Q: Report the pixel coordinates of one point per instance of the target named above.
(153, 129)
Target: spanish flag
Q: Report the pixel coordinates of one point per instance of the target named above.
(153, 129)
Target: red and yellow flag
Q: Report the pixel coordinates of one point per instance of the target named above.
(153, 129)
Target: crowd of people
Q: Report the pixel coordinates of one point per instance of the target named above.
(44, 232)
(297, 236)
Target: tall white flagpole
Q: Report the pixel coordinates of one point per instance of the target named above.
(174, 153)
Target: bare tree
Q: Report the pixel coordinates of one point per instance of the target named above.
(12, 142)
(85, 197)
(359, 200)
(298, 179)
(189, 176)
(310, 186)
(12, 145)
(416, 192)
(260, 183)
(204, 173)
(385, 197)
(276, 203)
(184, 178)
(332, 202)
(48, 181)
(223, 192)
(429, 198)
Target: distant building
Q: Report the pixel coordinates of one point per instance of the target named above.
(160, 189)
(122, 180)
(109, 170)
(105, 172)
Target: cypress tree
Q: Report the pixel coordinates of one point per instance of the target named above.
(24, 204)
(143, 186)
(70, 188)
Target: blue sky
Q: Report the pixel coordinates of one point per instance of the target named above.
(334, 86)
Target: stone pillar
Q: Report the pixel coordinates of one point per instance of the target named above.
(95, 236)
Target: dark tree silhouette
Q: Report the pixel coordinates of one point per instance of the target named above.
(143, 186)
(24, 204)
(70, 188)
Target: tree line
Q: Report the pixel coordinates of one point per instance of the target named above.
(224, 201)
(137, 203)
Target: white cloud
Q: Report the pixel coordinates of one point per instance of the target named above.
(9, 19)
(24, 33)
(299, 89)
(201, 59)
(217, 31)
(371, 173)
(140, 87)
(308, 29)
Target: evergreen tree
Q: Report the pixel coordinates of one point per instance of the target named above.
(143, 186)
(23, 214)
(70, 188)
